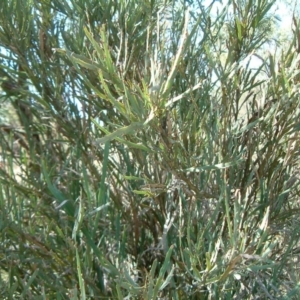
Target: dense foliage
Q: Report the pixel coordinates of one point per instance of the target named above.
(142, 154)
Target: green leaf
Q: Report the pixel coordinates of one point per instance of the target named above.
(239, 29)
(80, 278)
(120, 132)
(166, 266)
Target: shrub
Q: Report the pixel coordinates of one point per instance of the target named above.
(145, 157)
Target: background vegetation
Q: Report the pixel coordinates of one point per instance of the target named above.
(143, 157)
